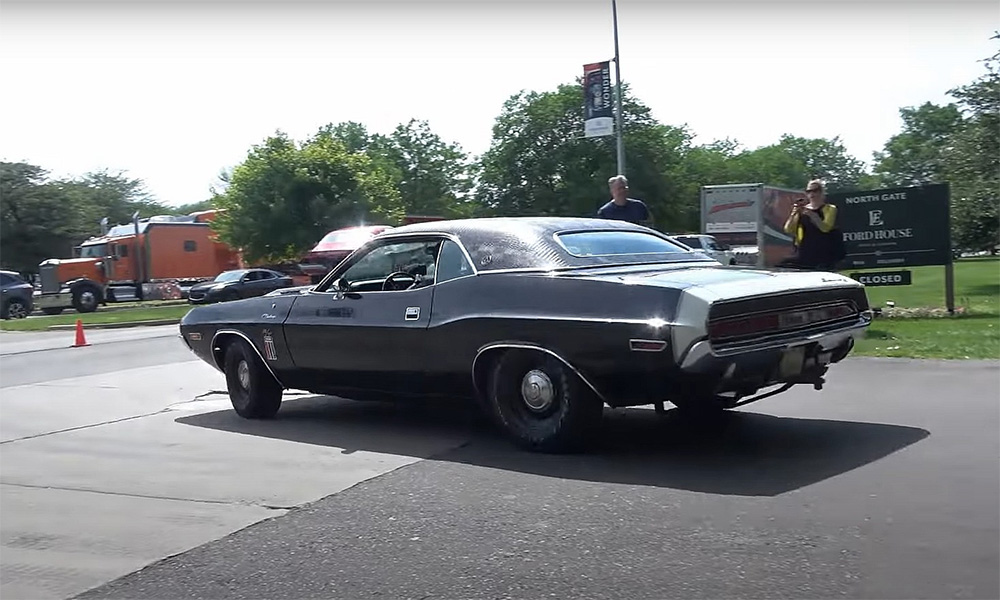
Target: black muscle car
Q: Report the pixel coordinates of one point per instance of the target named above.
(543, 321)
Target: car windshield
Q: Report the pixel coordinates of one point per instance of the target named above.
(613, 243)
(229, 276)
(94, 251)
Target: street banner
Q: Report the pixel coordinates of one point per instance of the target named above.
(598, 116)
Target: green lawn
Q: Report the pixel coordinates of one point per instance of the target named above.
(918, 327)
(40, 323)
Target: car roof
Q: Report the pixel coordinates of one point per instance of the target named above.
(503, 243)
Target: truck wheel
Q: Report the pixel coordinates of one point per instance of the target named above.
(253, 391)
(541, 404)
(52, 311)
(86, 298)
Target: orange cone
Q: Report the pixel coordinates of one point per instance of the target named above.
(81, 340)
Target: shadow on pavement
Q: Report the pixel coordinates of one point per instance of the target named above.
(740, 453)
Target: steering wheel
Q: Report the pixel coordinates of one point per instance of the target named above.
(390, 281)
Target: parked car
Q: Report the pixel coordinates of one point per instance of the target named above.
(709, 245)
(17, 301)
(541, 320)
(237, 284)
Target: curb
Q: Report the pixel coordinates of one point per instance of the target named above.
(124, 325)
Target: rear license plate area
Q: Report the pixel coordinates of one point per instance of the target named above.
(792, 361)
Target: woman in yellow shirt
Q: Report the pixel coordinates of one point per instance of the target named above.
(813, 227)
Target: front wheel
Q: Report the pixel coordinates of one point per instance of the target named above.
(541, 404)
(253, 391)
(85, 299)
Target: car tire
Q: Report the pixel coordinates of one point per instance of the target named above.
(541, 404)
(15, 309)
(253, 391)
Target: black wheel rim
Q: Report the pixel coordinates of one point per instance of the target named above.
(16, 310)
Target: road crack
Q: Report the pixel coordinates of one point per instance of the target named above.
(170, 408)
(146, 496)
(82, 427)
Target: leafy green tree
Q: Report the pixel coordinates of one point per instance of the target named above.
(432, 175)
(41, 219)
(823, 159)
(285, 196)
(101, 194)
(973, 162)
(917, 154)
(539, 163)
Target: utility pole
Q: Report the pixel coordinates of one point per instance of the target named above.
(618, 78)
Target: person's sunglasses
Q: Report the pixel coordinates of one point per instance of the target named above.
(814, 190)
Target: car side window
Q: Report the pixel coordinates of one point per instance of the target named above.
(6, 279)
(452, 262)
(415, 258)
(265, 275)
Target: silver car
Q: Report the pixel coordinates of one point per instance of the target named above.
(710, 246)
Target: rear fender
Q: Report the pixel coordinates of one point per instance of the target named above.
(487, 354)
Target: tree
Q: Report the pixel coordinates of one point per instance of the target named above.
(823, 159)
(35, 221)
(432, 175)
(539, 163)
(45, 219)
(101, 194)
(973, 162)
(917, 154)
(284, 196)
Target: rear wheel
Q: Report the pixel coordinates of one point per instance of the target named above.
(541, 404)
(253, 391)
(15, 309)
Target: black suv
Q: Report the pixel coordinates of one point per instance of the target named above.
(16, 294)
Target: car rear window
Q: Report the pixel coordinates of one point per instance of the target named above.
(614, 243)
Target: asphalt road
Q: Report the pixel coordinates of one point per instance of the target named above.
(884, 485)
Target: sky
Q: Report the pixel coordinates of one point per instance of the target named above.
(173, 92)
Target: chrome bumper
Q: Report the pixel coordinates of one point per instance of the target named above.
(701, 356)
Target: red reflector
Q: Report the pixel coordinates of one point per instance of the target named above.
(647, 345)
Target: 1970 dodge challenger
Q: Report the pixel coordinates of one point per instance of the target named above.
(542, 321)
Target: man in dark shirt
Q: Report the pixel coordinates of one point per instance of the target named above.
(623, 208)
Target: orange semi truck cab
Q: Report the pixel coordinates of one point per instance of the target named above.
(135, 261)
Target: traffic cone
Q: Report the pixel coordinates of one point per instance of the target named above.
(81, 340)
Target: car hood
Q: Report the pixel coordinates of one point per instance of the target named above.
(207, 285)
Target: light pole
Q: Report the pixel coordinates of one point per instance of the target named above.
(618, 80)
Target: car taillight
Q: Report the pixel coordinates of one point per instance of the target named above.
(745, 326)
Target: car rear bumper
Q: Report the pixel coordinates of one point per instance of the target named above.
(773, 361)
